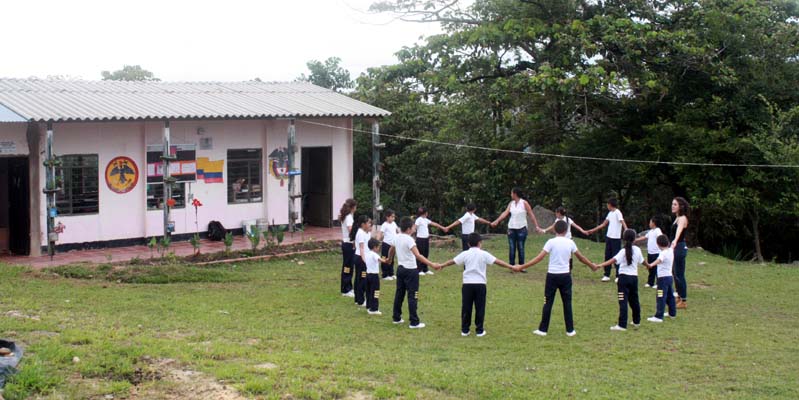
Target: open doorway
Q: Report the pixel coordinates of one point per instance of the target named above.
(14, 206)
(317, 186)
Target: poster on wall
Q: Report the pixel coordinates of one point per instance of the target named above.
(279, 164)
(183, 168)
(209, 171)
(121, 175)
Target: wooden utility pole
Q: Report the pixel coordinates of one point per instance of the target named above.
(377, 208)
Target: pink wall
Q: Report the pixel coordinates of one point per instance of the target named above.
(124, 216)
(16, 133)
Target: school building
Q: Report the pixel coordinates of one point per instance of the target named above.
(228, 147)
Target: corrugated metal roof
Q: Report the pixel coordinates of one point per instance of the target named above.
(50, 100)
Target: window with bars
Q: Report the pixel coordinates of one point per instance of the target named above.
(79, 177)
(155, 196)
(244, 176)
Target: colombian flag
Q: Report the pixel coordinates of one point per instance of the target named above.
(209, 171)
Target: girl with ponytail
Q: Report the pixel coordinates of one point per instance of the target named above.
(628, 260)
(346, 219)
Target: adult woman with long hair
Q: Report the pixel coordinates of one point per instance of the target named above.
(680, 209)
(346, 219)
(518, 209)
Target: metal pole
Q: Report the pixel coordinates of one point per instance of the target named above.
(292, 145)
(376, 145)
(50, 189)
(166, 177)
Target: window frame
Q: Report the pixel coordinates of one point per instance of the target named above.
(66, 192)
(161, 184)
(253, 162)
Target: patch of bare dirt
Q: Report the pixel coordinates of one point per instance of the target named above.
(183, 384)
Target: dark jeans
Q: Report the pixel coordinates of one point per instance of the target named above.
(680, 253)
(562, 283)
(360, 280)
(474, 295)
(347, 252)
(612, 247)
(407, 281)
(388, 269)
(373, 292)
(423, 245)
(516, 239)
(653, 272)
(465, 242)
(628, 293)
(665, 296)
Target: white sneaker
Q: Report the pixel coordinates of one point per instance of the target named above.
(654, 286)
(617, 328)
(464, 334)
(361, 305)
(388, 278)
(375, 312)
(422, 273)
(635, 325)
(672, 317)
(570, 334)
(417, 326)
(430, 273)
(654, 319)
(539, 333)
(401, 321)
(481, 334)
(617, 280)
(393, 277)
(646, 285)
(605, 279)
(351, 293)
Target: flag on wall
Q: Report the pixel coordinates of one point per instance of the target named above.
(209, 171)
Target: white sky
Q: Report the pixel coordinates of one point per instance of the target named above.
(197, 40)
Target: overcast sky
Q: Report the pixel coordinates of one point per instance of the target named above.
(197, 40)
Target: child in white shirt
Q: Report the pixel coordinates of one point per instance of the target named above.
(628, 259)
(423, 238)
(559, 278)
(652, 249)
(360, 237)
(475, 260)
(468, 224)
(665, 294)
(373, 261)
(615, 222)
(407, 274)
(388, 232)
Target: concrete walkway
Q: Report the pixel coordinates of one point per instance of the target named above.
(181, 249)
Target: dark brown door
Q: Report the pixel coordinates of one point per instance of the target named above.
(317, 186)
(18, 206)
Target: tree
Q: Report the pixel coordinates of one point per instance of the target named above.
(129, 73)
(328, 74)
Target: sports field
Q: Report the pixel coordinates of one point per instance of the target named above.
(281, 330)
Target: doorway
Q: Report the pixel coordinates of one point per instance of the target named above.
(317, 186)
(14, 206)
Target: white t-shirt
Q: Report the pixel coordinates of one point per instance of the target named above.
(614, 224)
(560, 252)
(403, 244)
(666, 258)
(390, 231)
(629, 269)
(345, 228)
(568, 222)
(475, 260)
(467, 223)
(652, 241)
(372, 262)
(422, 232)
(518, 214)
(361, 237)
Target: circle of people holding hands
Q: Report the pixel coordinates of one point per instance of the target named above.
(365, 258)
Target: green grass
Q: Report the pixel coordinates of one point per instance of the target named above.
(738, 340)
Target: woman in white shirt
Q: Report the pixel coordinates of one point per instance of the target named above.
(518, 209)
(346, 219)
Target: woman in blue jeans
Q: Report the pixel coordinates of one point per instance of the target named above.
(680, 208)
(518, 209)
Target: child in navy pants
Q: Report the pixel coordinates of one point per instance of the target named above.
(665, 293)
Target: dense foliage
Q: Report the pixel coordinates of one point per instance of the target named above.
(710, 81)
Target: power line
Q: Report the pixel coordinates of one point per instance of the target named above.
(553, 155)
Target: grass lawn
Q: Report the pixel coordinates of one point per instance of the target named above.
(281, 330)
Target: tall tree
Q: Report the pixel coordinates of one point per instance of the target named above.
(129, 73)
(328, 74)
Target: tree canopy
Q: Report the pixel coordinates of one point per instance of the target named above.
(328, 74)
(709, 81)
(129, 73)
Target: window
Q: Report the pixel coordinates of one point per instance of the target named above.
(244, 176)
(79, 177)
(155, 196)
